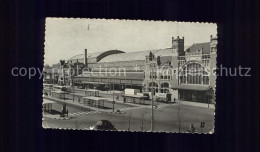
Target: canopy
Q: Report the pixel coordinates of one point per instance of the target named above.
(86, 82)
(191, 87)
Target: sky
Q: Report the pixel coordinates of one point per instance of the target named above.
(67, 37)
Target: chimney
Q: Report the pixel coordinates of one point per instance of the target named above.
(86, 57)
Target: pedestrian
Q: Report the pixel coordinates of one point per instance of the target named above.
(192, 129)
(174, 99)
(67, 113)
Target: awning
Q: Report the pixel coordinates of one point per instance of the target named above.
(191, 87)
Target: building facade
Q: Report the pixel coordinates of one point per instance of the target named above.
(188, 74)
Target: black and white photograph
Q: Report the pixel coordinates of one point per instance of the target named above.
(129, 75)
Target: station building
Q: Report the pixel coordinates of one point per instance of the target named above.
(188, 74)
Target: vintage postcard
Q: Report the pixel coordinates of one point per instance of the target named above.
(129, 75)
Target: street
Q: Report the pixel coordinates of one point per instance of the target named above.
(137, 118)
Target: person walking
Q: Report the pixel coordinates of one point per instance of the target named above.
(192, 129)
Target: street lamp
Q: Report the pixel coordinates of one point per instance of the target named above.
(113, 97)
(179, 116)
(153, 62)
(73, 89)
(209, 94)
(142, 120)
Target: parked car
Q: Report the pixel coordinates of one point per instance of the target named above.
(103, 125)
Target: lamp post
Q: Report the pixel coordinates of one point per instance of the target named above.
(73, 90)
(153, 62)
(179, 116)
(113, 98)
(142, 120)
(209, 94)
(152, 115)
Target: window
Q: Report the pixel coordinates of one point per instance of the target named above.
(154, 86)
(165, 87)
(194, 73)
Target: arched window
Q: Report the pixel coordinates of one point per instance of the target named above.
(165, 87)
(194, 73)
(153, 85)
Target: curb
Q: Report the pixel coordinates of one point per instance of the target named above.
(58, 118)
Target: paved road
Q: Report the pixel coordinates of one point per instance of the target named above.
(108, 105)
(166, 119)
(73, 112)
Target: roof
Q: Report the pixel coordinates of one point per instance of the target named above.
(79, 56)
(191, 87)
(116, 75)
(197, 47)
(90, 55)
(82, 56)
(96, 54)
(135, 56)
(86, 82)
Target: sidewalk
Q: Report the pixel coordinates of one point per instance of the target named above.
(76, 104)
(111, 92)
(49, 116)
(187, 103)
(128, 103)
(102, 92)
(111, 100)
(196, 104)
